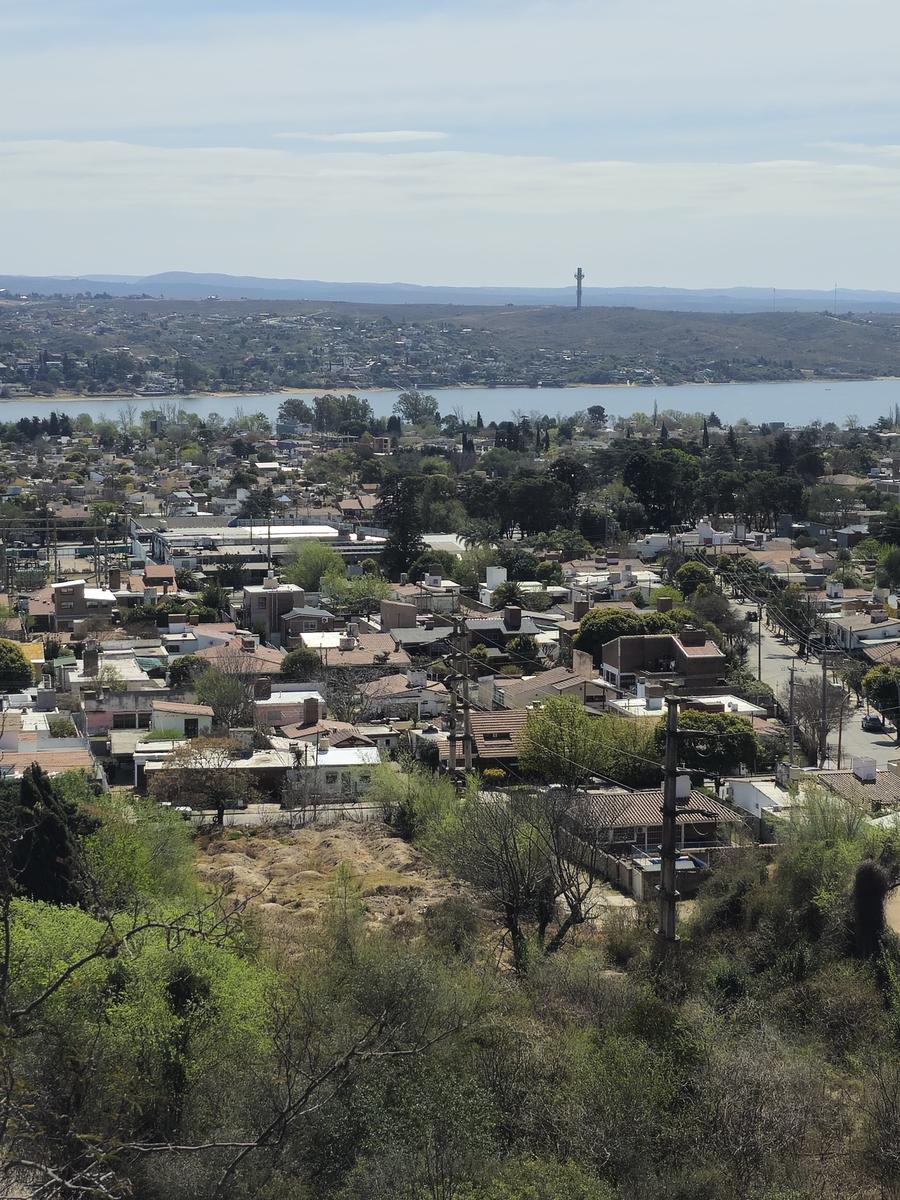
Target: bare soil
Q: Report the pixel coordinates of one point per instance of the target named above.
(290, 872)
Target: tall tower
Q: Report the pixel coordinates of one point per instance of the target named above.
(579, 279)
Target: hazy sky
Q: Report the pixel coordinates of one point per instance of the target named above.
(698, 143)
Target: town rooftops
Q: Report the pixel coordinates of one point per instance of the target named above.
(187, 710)
(605, 810)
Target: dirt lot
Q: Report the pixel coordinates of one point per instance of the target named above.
(295, 869)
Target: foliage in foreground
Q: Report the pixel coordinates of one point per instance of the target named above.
(198, 1053)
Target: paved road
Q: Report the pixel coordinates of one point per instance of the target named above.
(777, 659)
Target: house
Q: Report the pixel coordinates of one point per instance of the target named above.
(496, 630)
(858, 631)
(243, 655)
(25, 738)
(624, 820)
(74, 601)
(649, 702)
(263, 606)
(433, 594)
(528, 690)
(687, 659)
(303, 618)
(190, 720)
(294, 705)
(410, 694)
(369, 654)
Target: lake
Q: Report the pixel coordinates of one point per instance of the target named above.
(793, 403)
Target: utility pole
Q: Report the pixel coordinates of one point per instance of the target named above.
(451, 758)
(467, 715)
(667, 890)
(759, 639)
(791, 719)
(823, 726)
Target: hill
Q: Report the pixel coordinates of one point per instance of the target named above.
(197, 286)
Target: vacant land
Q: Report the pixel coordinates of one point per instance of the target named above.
(291, 872)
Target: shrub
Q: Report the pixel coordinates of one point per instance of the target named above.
(622, 938)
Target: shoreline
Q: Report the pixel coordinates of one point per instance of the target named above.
(149, 401)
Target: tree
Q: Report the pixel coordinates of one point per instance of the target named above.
(507, 592)
(415, 408)
(691, 575)
(301, 665)
(227, 687)
(808, 713)
(714, 743)
(185, 670)
(295, 408)
(230, 570)
(309, 562)
(881, 687)
(41, 833)
(525, 653)
(559, 743)
(15, 671)
(549, 573)
(601, 625)
(361, 593)
(888, 573)
(400, 509)
(201, 773)
(348, 699)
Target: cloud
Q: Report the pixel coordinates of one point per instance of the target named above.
(495, 65)
(451, 216)
(375, 137)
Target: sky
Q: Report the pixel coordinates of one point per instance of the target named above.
(707, 143)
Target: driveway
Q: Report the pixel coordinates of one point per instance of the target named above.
(777, 658)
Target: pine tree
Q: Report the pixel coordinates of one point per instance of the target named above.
(46, 844)
(705, 435)
(479, 424)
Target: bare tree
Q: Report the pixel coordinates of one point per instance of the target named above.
(201, 773)
(815, 720)
(345, 694)
(227, 685)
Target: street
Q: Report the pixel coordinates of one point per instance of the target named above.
(777, 659)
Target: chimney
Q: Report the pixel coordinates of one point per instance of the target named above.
(690, 636)
(91, 660)
(512, 616)
(653, 697)
(310, 710)
(580, 608)
(663, 603)
(270, 581)
(115, 578)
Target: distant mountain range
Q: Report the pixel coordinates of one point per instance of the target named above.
(184, 285)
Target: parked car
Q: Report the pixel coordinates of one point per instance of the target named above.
(873, 724)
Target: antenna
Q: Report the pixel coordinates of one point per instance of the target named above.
(579, 279)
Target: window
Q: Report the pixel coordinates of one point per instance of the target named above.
(191, 727)
(125, 720)
(67, 604)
